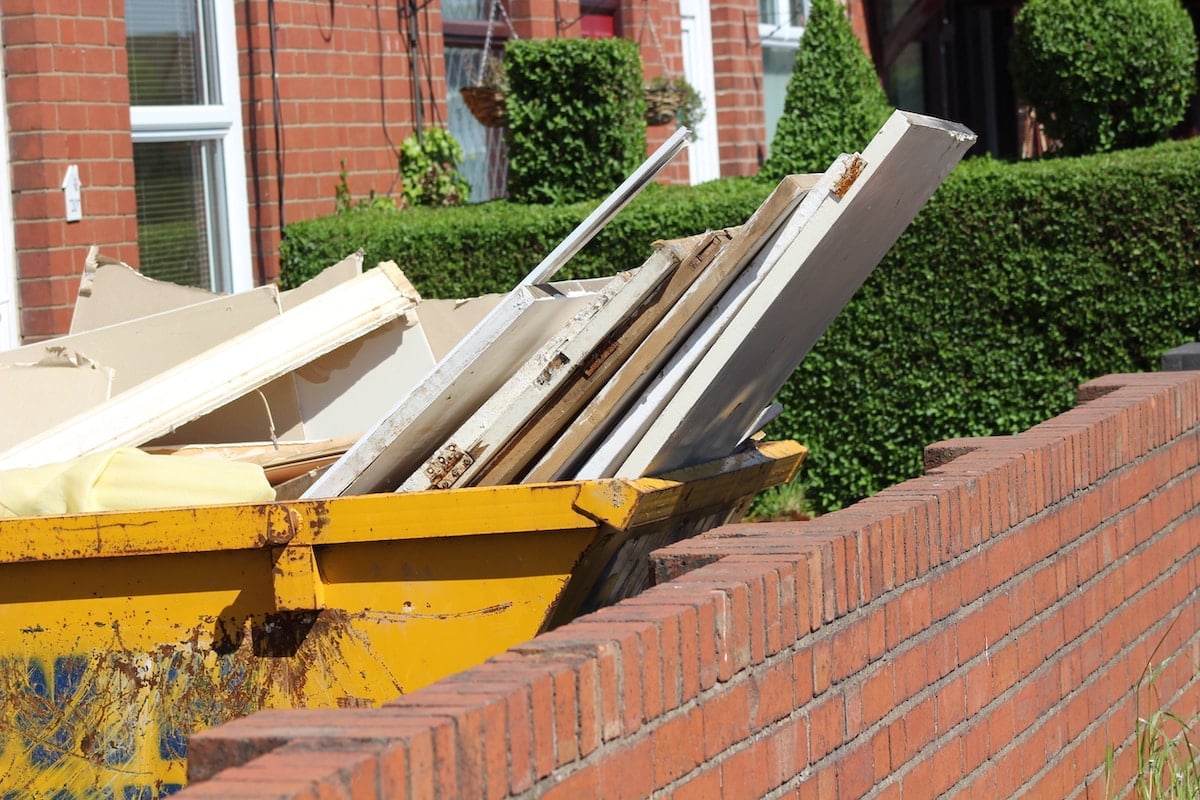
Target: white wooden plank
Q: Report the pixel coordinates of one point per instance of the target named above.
(608, 209)
(780, 320)
(610, 451)
(470, 448)
(470, 373)
(592, 424)
(231, 369)
(139, 349)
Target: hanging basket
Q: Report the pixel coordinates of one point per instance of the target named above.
(661, 104)
(486, 104)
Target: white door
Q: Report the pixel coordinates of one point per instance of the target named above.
(704, 157)
(10, 327)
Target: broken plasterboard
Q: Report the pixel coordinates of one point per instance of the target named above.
(765, 336)
(141, 348)
(35, 397)
(231, 369)
(111, 292)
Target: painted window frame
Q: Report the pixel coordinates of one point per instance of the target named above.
(219, 123)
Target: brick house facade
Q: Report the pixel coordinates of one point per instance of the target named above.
(321, 93)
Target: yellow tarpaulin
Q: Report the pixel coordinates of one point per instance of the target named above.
(126, 479)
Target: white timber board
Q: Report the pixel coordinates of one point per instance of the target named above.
(487, 356)
(709, 280)
(783, 316)
(470, 448)
(416, 424)
(231, 369)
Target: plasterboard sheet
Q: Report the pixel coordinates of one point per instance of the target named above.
(35, 397)
(344, 392)
(348, 268)
(465, 453)
(446, 322)
(141, 348)
(231, 369)
(111, 292)
(782, 316)
(473, 370)
(708, 279)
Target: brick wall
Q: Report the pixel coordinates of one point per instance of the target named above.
(345, 95)
(68, 103)
(978, 631)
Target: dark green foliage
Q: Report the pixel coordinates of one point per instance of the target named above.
(834, 102)
(1105, 74)
(469, 250)
(1016, 283)
(576, 117)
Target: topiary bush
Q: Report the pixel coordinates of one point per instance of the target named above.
(834, 102)
(1104, 74)
(576, 117)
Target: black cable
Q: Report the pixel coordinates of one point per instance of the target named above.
(275, 109)
(436, 114)
(260, 254)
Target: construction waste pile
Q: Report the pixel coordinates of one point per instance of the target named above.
(354, 384)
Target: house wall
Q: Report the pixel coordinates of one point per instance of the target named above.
(68, 101)
(344, 93)
(983, 630)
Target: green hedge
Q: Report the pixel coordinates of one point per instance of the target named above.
(576, 117)
(1016, 283)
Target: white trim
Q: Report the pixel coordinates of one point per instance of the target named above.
(704, 154)
(221, 123)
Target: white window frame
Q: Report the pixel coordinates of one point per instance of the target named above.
(220, 123)
(781, 36)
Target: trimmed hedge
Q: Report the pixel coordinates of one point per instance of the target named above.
(576, 117)
(1013, 285)
(1105, 74)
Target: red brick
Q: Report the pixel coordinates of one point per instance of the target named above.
(746, 773)
(726, 717)
(827, 726)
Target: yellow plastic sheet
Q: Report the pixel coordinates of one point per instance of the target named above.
(127, 479)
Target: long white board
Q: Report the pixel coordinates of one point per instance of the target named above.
(778, 320)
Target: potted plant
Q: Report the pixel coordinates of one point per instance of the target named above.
(486, 98)
(673, 99)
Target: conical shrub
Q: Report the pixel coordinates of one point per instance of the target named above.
(834, 101)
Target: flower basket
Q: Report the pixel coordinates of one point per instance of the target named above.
(662, 101)
(486, 104)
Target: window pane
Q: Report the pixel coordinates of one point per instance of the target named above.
(175, 185)
(906, 78)
(777, 71)
(464, 9)
(167, 63)
(485, 158)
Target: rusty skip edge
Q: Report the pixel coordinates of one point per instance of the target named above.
(513, 509)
